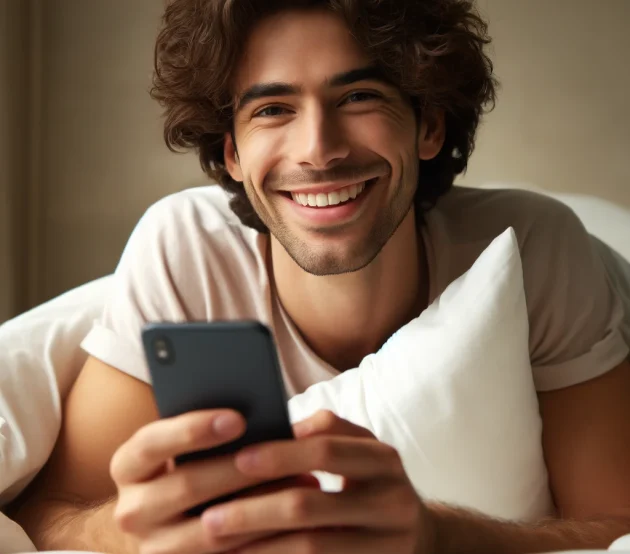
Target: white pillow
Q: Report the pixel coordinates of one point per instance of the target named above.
(622, 544)
(13, 539)
(453, 392)
(39, 360)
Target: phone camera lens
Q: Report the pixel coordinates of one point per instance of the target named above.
(163, 351)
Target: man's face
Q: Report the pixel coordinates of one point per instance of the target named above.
(327, 150)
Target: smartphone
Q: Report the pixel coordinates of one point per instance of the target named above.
(231, 364)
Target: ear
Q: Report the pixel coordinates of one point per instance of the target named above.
(231, 158)
(431, 135)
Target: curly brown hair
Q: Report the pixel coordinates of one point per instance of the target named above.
(433, 50)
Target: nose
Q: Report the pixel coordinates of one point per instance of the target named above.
(321, 142)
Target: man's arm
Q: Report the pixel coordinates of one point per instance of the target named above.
(586, 438)
(73, 524)
(462, 532)
(69, 505)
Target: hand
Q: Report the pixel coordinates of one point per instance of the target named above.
(377, 511)
(153, 493)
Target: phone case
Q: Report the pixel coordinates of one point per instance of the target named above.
(220, 365)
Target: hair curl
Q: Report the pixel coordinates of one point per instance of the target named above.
(432, 49)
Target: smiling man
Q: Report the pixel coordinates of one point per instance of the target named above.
(337, 128)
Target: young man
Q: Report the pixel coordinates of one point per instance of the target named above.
(339, 127)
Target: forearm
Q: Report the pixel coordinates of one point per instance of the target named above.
(62, 525)
(461, 532)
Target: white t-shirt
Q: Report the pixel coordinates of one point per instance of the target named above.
(190, 259)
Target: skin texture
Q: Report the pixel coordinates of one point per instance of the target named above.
(111, 485)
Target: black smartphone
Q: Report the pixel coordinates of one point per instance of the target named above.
(231, 364)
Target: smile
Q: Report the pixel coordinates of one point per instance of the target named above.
(334, 198)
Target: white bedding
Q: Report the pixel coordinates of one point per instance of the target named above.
(12, 538)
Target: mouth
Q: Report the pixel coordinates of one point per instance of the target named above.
(344, 195)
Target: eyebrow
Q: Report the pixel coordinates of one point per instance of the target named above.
(266, 90)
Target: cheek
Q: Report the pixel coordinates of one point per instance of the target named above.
(260, 153)
(262, 143)
(390, 133)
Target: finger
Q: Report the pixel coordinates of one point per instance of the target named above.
(308, 508)
(148, 450)
(353, 458)
(326, 422)
(147, 505)
(192, 537)
(290, 482)
(330, 542)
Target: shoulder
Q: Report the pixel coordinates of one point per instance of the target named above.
(204, 209)
(555, 248)
(188, 259)
(193, 223)
(191, 248)
(465, 221)
(552, 239)
(484, 213)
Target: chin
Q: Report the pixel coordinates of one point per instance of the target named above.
(325, 260)
(329, 266)
(335, 251)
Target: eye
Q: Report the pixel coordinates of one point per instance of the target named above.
(361, 96)
(271, 111)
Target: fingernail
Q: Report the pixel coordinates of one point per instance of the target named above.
(227, 425)
(213, 519)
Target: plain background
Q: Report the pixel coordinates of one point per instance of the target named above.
(81, 151)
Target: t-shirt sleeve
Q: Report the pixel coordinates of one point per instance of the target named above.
(574, 311)
(157, 279)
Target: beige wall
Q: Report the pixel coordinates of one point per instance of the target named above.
(561, 122)
(13, 145)
(563, 116)
(103, 160)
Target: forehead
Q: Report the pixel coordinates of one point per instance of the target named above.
(304, 47)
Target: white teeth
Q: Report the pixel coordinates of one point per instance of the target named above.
(333, 198)
(300, 198)
(321, 200)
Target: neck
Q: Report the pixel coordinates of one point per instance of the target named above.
(343, 318)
